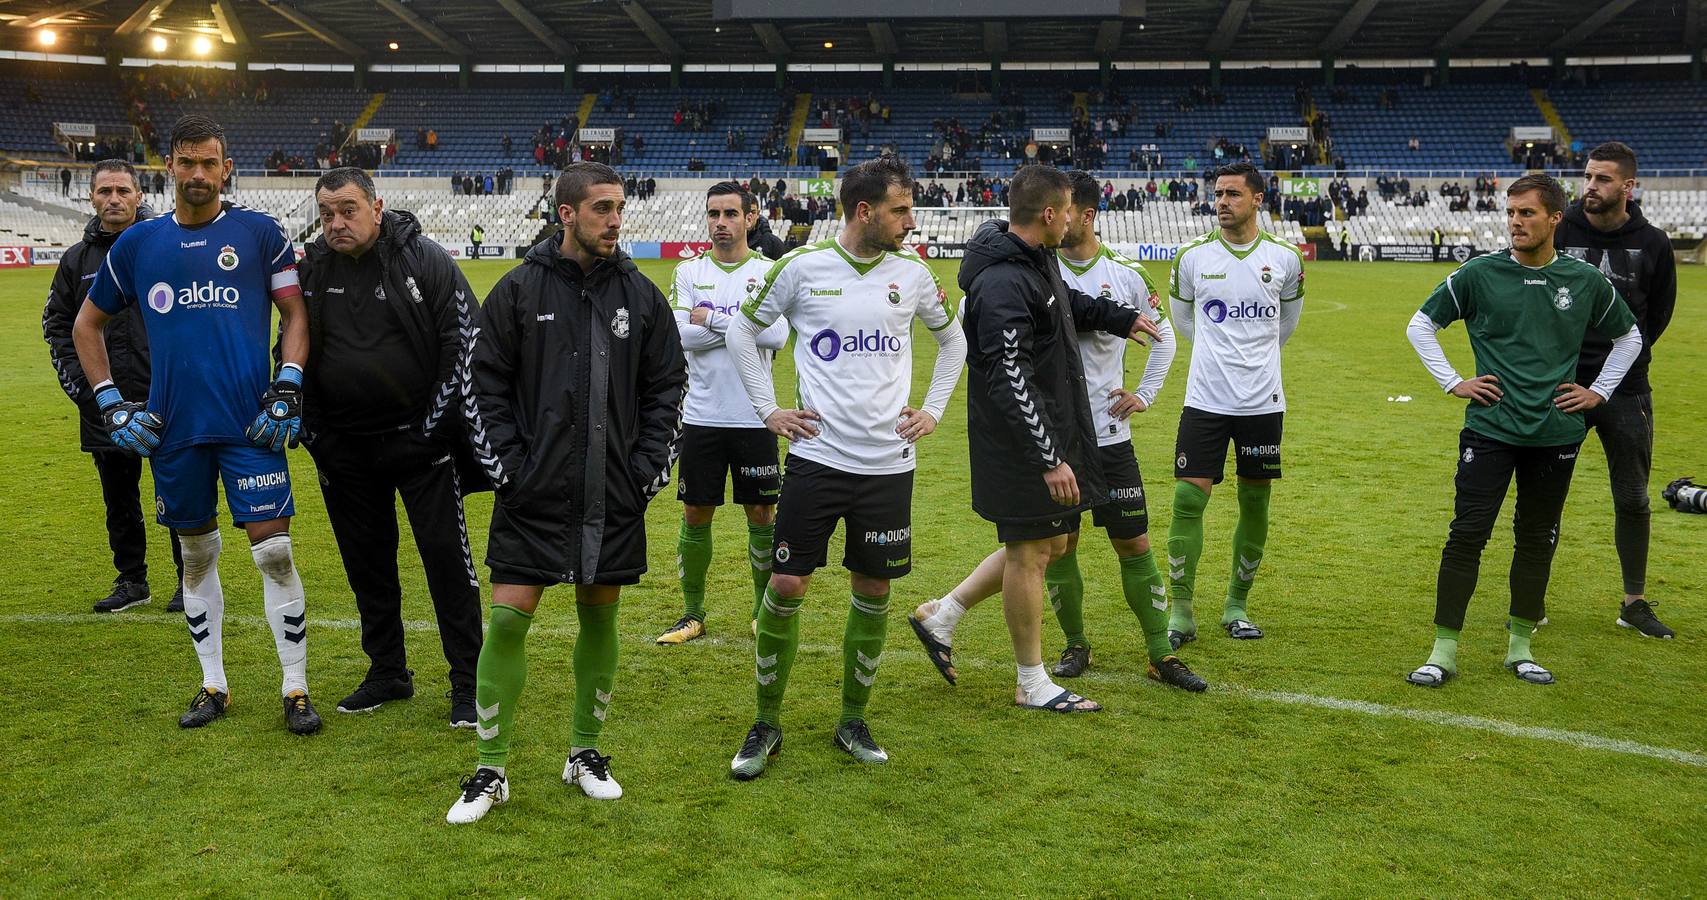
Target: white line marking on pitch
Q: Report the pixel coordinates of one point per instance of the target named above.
(1579, 739)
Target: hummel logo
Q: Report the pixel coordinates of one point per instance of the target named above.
(547, 317)
(1176, 567)
(1248, 567)
(486, 734)
(486, 713)
(1160, 600)
(334, 290)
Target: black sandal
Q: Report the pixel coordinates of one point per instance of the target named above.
(941, 654)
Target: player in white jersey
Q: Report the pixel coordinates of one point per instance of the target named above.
(1096, 270)
(1237, 293)
(851, 300)
(720, 432)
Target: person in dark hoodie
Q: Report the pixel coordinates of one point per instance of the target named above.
(1033, 444)
(575, 413)
(759, 234)
(1606, 229)
(116, 193)
(382, 416)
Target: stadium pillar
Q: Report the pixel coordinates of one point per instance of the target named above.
(1327, 71)
(1695, 65)
(1214, 73)
(463, 69)
(1442, 71)
(1105, 71)
(995, 76)
(360, 76)
(568, 77)
(675, 75)
(888, 74)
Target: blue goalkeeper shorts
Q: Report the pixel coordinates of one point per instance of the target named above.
(257, 484)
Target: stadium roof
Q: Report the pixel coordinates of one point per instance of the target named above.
(768, 31)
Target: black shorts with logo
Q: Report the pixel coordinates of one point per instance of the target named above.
(877, 511)
(1124, 514)
(746, 455)
(1200, 451)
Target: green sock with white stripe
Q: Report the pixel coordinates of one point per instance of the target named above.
(1185, 545)
(594, 664)
(759, 557)
(774, 648)
(1065, 586)
(862, 650)
(1141, 581)
(693, 559)
(1249, 537)
(499, 677)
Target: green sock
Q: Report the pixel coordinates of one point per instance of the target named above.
(759, 556)
(773, 652)
(1517, 642)
(1066, 588)
(498, 680)
(595, 670)
(693, 558)
(862, 650)
(1142, 583)
(1185, 545)
(1445, 653)
(1249, 536)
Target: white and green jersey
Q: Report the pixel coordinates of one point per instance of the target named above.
(1113, 276)
(1244, 301)
(853, 350)
(715, 396)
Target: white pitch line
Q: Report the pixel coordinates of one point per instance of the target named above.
(1580, 739)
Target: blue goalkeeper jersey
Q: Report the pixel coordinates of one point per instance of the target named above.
(205, 292)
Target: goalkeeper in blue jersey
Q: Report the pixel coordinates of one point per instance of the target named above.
(206, 277)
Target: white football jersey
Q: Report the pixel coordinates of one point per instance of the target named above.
(715, 396)
(853, 347)
(1235, 354)
(1110, 276)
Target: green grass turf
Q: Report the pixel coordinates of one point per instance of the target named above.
(1228, 793)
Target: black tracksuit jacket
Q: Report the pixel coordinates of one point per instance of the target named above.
(1026, 405)
(127, 339)
(576, 413)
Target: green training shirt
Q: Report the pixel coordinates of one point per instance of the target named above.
(1526, 327)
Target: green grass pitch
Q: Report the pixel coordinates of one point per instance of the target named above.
(1311, 768)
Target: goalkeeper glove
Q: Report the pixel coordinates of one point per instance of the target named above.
(129, 425)
(281, 412)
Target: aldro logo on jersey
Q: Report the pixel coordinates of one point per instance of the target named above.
(829, 344)
(199, 295)
(1219, 311)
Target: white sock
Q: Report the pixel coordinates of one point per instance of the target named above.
(576, 751)
(498, 769)
(287, 612)
(942, 622)
(204, 605)
(1038, 687)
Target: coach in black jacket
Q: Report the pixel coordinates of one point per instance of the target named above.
(1608, 230)
(382, 416)
(576, 411)
(1032, 440)
(116, 194)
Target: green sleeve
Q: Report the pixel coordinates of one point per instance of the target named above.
(1612, 316)
(1451, 299)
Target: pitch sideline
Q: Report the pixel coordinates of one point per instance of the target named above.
(1580, 739)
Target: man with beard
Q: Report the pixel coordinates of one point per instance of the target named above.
(852, 299)
(575, 415)
(1527, 310)
(208, 275)
(1608, 232)
(116, 194)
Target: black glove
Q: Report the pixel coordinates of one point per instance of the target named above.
(280, 420)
